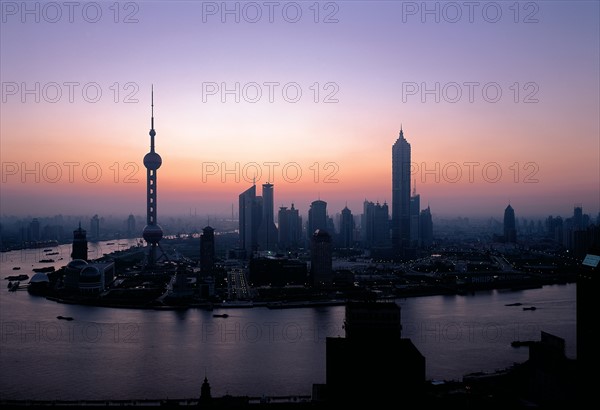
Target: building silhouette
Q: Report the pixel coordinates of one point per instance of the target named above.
(554, 228)
(587, 318)
(95, 228)
(355, 365)
(267, 231)
(401, 195)
(510, 229)
(321, 270)
(426, 228)
(131, 231)
(273, 270)
(34, 232)
(52, 232)
(289, 228)
(207, 250)
(205, 396)
(317, 217)
(152, 161)
(375, 225)
(576, 233)
(415, 209)
(346, 228)
(80, 245)
(250, 215)
(578, 218)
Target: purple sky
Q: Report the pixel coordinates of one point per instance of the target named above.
(362, 69)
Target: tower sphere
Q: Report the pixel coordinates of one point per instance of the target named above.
(152, 233)
(152, 160)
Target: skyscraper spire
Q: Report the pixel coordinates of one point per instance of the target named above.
(414, 186)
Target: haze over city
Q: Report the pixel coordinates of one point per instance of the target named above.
(498, 108)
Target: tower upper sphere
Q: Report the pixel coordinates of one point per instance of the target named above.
(152, 160)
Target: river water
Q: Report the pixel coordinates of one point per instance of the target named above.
(107, 353)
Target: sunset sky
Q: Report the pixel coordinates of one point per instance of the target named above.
(364, 69)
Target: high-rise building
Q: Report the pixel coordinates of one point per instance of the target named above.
(576, 232)
(578, 224)
(131, 226)
(80, 245)
(34, 230)
(321, 270)
(207, 250)
(250, 215)
(152, 232)
(401, 195)
(415, 209)
(346, 228)
(317, 217)
(330, 226)
(375, 225)
(95, 228)
(426, 228)
(290, 228)
(267, 231)
(510, 229)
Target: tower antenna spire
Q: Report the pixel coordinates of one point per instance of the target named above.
(152, 106)
(152, 132)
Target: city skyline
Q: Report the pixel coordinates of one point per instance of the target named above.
(341, 146)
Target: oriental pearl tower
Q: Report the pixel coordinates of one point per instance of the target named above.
(152, 161)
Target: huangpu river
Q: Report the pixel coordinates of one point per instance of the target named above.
(109, 353)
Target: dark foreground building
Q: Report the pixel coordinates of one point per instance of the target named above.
(373, 363)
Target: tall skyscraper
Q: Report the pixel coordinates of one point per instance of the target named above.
(250, 215)
(346, 228)
(267, 231)
(80, 245)
(207, 250)
(510, 229)
(401, 195)
(289, 228)
(152, 161)
(317, 217)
